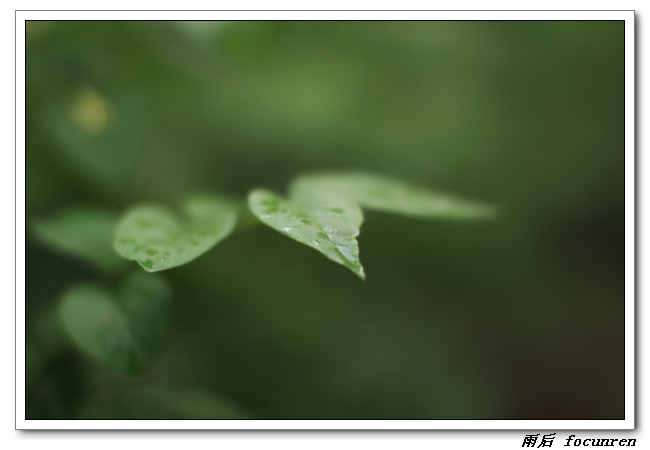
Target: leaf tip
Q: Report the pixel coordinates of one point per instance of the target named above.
(148, 265)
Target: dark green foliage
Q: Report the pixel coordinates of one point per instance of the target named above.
(521, 317)
(156, 402)
(127, 329)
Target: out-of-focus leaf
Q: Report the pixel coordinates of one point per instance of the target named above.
(158, 239)
(99, 137)
(324, 210)
(387, 195)
(162, 403)
(126, 329)
(86, 233)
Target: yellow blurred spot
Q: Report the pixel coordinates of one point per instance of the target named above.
(90, 111)
(36, 29)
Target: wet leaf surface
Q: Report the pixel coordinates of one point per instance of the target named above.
(329, 226)
(159, 239)
(323, 211)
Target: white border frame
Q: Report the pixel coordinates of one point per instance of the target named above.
(626, 424)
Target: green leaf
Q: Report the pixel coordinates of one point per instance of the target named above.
(85, 233)
(330, 226)
(126, 329)
(323, 211)
(158, 239)
(387, 195)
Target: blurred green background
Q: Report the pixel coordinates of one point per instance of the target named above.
(520, 318)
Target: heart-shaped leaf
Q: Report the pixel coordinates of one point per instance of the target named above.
(126, 329)
(323, 211)
(158, 239)
(86, 233)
